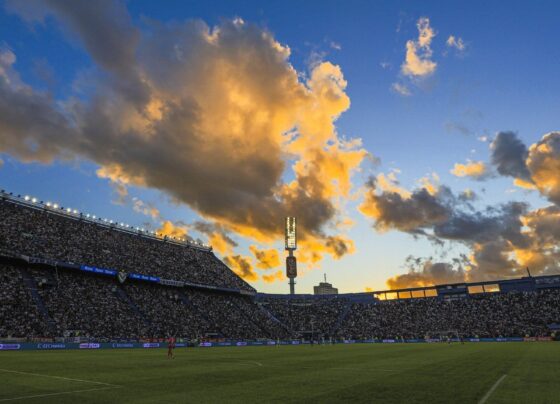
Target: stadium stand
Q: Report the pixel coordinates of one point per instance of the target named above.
(43, 233)
(65, 277)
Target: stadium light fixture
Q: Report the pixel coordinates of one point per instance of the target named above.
(34, 200)
(48, 204)
(68, 210)
(75, 212)
(26, 197)
(55, 206)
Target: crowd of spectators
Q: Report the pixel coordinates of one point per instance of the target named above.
(43, 234)
(84, 305)
(307, 316)
(513, 314)
(19, 315)
(101, 308)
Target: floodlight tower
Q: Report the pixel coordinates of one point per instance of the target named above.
(291, 245)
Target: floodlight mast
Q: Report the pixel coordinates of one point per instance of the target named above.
(291, 246)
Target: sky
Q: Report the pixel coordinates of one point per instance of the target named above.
(416, 143)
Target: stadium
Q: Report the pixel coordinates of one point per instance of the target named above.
(285, 201)
(68, 287)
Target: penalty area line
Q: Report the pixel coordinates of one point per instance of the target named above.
(494, 387)
(58, 377)
(59, 393)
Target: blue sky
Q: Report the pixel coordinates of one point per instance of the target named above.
(506, 78)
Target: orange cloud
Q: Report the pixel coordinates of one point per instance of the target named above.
(418, 61)
(277, 276)
(543, 163)
(266, 259)
(241, 265)
(473, 169)
(168, 228)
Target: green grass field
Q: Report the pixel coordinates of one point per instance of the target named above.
(423, 373)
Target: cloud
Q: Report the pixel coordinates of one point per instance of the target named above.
(241, 265)
(401, 89)
(493, 235)
(335, 45)
(502, 239)
(458, 127)
(474, 169)
(267, 258)
(171, 229)
(218, 236)
(276, 276)
(468, 195)
(508, 156)
(426, 273)
(418, 62)
(536, 167)
(406, 212)
(145, 208)
(456, 42)
(215, 117)
(543, 162)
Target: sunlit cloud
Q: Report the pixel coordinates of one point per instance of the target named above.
(418, 60)
(456, 43)
(275, 277)
(241, 265)
(266, 258)
(171, 101)
(401, 89)
(473, 169)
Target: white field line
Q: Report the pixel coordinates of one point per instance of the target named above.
(58, 394)
(244, 362)
(334, 368)
(494, 387)
(58, 377)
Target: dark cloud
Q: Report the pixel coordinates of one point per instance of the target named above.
(509, 155)
(502, 239)
(424, 272)
(407, 213)
(458, 127)
(485, 226)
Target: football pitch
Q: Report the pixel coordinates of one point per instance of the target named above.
(423, 373)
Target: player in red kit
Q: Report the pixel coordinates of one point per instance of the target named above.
(170, 347)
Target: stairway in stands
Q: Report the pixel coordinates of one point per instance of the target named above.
(31, 286)
(123, 296)
(273, 317)
(343, 314)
